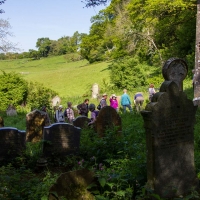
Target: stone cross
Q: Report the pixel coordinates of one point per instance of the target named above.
(169, 124)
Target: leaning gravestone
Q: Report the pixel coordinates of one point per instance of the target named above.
(12, 142)
(81, 121)
(35, 122)
(95, 90)
(108, 118)
(61, 139)
(78, 180)
(169, 123)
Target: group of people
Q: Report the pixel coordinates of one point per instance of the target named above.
(85, 107)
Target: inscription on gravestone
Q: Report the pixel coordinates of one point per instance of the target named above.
(62, 139)
(12, 142)
(169, 123)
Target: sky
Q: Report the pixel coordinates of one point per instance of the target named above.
(33, 19)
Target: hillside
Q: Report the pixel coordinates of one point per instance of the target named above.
(66, 78)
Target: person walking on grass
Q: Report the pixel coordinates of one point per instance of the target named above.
(151, 91)
(60, 115)
(69, 113)
(103, 100)
(125, 101)
(114, 102)
(94, 114)
(83, 108)
(138, 100)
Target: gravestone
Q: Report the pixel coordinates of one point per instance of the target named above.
(81, 121)
(108, 118)
(169, 123)
(61, 139)
(95, 90)
(12, 142)
(35, 122)
(1, 122)
(56, 101)
(79, 180)
(11, 111)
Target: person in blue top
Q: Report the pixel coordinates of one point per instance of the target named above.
(125, 101)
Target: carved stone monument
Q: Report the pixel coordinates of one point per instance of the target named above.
(12, 142)
(61, 139)
(108, 118)
(95, 90)
(35, 122)
(81, 121)
(169, 123)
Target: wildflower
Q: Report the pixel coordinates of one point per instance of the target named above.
(92, 158)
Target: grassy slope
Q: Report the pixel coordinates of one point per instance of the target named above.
(68, 79)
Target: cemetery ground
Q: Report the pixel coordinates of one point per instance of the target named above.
(117, 161)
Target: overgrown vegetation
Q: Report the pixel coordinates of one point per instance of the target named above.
(119, 163)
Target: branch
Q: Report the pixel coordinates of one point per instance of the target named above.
(93, 3)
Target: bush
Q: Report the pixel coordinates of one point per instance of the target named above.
(127, 73)
(38, 95)
(13, 90)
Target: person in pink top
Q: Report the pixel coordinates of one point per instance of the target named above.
(114, 102)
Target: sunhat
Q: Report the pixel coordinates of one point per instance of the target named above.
(60, 106)
(104, 94)
(113, 95)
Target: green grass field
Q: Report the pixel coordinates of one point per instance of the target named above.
(66, 78)
(72, 80)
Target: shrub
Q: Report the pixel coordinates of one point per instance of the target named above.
(127, 73)
(13, 90)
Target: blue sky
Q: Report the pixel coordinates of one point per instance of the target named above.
(33, 19)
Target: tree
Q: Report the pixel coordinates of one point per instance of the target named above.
(5, 44)
(43, 45)
(1, 2)
(89, 3)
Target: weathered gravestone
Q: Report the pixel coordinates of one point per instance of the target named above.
(11, 111)
(169, 123)
(95, 90)
(35, 122)
(108, 118)
(12, 142)
(81, 121)
(56, 101)
(61, 139)
(73, 185)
